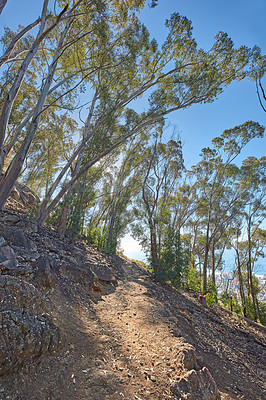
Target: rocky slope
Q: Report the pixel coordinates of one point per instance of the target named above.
(76, 324)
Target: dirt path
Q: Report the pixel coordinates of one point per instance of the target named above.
(134, 340)
(149, 355)
(155, 325)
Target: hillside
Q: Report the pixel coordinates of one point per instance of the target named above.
(77, 324)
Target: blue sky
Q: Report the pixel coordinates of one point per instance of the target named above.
(243, 20)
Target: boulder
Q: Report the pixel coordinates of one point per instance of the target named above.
(24, 337)
(102, 273)
(19, 239)
(196, 385)
(44, 273)
(187, 356)
(27, 332)
(17, 294)
(8, 260)
(22, 197)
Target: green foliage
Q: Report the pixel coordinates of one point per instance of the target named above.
(211, 295)
(262, 312)
(231, 302)
(173, 261)
(190, 279)
(97, 238)
(250, 308)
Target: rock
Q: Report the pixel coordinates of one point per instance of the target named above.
(196, 385)
(16, 294)
(19, 239)
(97, 285)
(9, 219)
(102, 273)
(2, 241)
(44, 273)
(44, 263)
(25, 337)
(189, 359)
(186, 354)
(22, 197)
(8, 259)
(26, 331)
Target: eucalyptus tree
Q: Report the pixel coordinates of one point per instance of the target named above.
(50, 148)
(126, 186)
(45, 29)
(257, 73)
(141, 69)
(115, 63)
(110, 216)
(162, 167)
(216, 175)
(254, 182)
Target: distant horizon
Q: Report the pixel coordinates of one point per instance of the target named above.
(132, 249)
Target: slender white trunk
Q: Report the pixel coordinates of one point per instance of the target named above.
(2, 5)
(8, 53)
(12, 94)
(14, 169)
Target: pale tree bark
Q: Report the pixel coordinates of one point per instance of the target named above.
(8, 55)
(64, 216)
(240, 278)
(249, 271)
(11, 96)
(8, 180)
(2, 5)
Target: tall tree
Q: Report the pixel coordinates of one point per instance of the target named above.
(212, 172)
(254, 180)
(144, 67)
(162, 168)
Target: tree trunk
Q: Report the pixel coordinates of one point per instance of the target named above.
(249, 271)
(8, 53)
(241, 284)
(14, 169)
(2, 5)
(207, 248)
(154, 252)
(12, 94)
(113, 213)
(205, 267)
(213, 262)
(61, 228)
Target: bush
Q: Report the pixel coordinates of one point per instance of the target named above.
(191, 279)
(211, 295)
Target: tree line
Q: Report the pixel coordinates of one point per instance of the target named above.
(72, 83)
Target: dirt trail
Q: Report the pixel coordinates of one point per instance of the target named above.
(150, 355)
(133, 340)
(155, 327)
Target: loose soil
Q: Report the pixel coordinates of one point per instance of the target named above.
(132, 340)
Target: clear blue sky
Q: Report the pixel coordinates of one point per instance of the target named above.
(243, 20)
